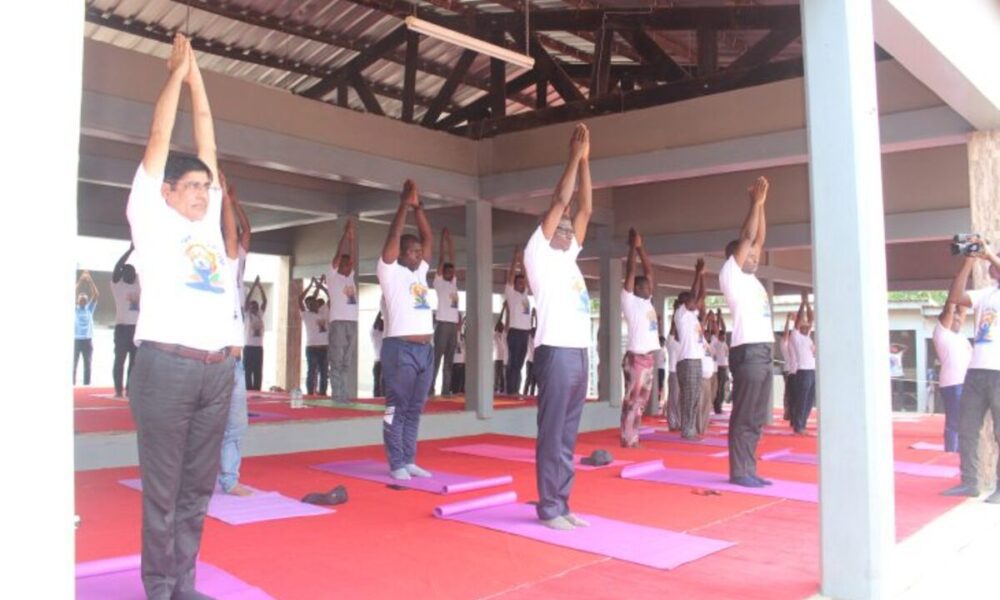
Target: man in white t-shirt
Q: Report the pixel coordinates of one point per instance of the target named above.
(981, 388)
(499, 354)
(788, 367)
(753, 338)
(954, 352)
(458, 364)
(673, 384)
(643, 340)
(83, 327)
(183, 378)
(377, 335)
(253, 349)
(125, 290)
(563, 334)
(446, 317)
(720, 352)
(530, 384)
(315, 320)
(407, 353)
(515, 295)
(690, 353)
(343, 330)
(804, 349)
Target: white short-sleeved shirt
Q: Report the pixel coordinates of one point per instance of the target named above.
(748, 303)
(720, 350)
(189, 296)
(254, 330)
(405, 294)
(126, 297)
(530, 356)
(499, 346)
(673, 353)
(343, 296)
(447, 299)
(954, 351)
(895, 364)
(689, 332)
(643, 329)
(518, 307)
(562, 303)
(377, 337)
(459, 358)
(789, 355)
(804, 350)
(708, 367)
(315, 325)
(986, 342)
(660, 357)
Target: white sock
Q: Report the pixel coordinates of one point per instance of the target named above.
(400, 474)
(416, 471)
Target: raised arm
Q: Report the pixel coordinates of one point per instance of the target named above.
(242, 220)
(263, 296)
(647, 266)
(119, 271)
(586, 207)
(504, 315)
(754, 230)
(699, 268)
(204, 131)
(563, 193)
(320, 288)
(407, 198)
(230, 234)
(346, 247)
(86, 278)
(246, 301)
(442, 252)
(630, 263)
(702, 291)
(800, 315)
(788, 327)
(515, 262)
(425, 231)
(305, 292)
(947, 315)
(957, 294)
(165, 111)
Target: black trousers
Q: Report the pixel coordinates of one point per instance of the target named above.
(751, 368)
(124, 348)
(720, 392)
(316, 369)
(377, 377)
(253, 362)
(517, 351)
(84, 348)
(458, 378)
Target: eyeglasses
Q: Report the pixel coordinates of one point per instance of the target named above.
(196, 186)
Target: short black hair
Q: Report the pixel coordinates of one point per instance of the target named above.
(447, 265)
(682, 299)
(405, 241)
(640, 279)
(518, 276)
(178, 165)
(731, 248)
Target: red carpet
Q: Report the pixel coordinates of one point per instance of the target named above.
(385, 544)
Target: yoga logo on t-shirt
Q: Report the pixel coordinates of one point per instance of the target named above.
(581, 288)
(419, 293)
(525, 306)
(651, 315)
(454, 299)
(133, 302)
(205, 263)
(350, 294)
(984, 331)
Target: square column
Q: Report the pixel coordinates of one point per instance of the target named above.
(609, 338)
(848, 231)
(479, 308)
(920, 353)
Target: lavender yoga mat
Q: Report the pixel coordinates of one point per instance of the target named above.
(518, 454)
(927, 446)
(438, 483)
(656, 472)
(261, 506)
(120, 578)
(673, 436)
(650, 546)
(899, 466)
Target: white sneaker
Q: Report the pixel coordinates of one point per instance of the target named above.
(576, 521)
(401, 474)
(558, 523)
(416, 471)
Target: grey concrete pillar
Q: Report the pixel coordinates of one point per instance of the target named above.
(479, 308)
(609, 339)
(920, 349)
(848, 233)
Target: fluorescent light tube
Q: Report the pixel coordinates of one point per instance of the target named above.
(467, 41)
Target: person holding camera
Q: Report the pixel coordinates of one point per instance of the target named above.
(981, 387)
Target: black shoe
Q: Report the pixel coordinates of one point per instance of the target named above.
(963, 489)
(762, 480)
(993, 498)
(746, 481)
(337, 495)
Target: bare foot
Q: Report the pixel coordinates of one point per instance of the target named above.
(240, 490)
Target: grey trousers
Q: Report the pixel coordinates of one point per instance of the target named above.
(180, 408)
(407, 376)
(673, 402)
(562, 390)
(445, 343)
(689, 380)
(980, 393)
(750, 365)
(342, 338)
(704, 413)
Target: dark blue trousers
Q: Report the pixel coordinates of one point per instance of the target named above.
(407, 371)
(952, 401)
(804, 398)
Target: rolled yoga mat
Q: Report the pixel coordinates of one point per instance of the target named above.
(927, 446)
(908, 468)
(649, 546)
(519, 454)
(438, 483)
(120, 578)
(260, 506)
(656, 472)
(673, 436)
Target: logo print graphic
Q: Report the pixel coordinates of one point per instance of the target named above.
(351, 294)
(205, 264)
(419, 293)
(984, 332)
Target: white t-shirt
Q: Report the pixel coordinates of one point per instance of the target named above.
(954, 352)
(499, 345)
(377, 336)
(254, 328)
(708, 367)
(315, 325)
(126, 297)
(530, 356)
(673, 353)
(643, 330)
(748, 303)
(447, 299)
(986, 348)
(689, 332)
(720, 350)
(660, 358)
(189, 296)
(343, 296)
(459, 358)
(405, 294)
(789, 355)
(562, 302)
(804, 351)
(518, 307)
(896, 363)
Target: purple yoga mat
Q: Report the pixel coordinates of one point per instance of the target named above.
(650, 546)
(518, 454)
(673, 436)
(899, 466)
(438, 483)
(927, 446)
(120, 578)
(261, 506)
(656, 472)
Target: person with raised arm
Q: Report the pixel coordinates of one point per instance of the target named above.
(253, 351)
(515, 295)
(643, 340)
(562, 304)
(407, 354)
(788, 368)
(804, 349)
(690, 353)
(83, 331)
(343, 327)
(954, 352)
(181, 386)
(315, 318)
(720, 352)
(446, 316)
(126, 292)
